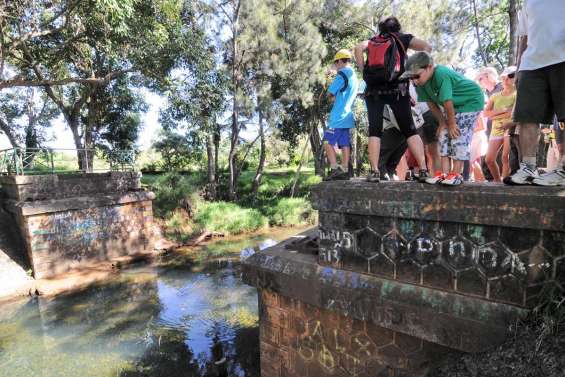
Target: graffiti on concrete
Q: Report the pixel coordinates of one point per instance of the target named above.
(332, 243)
(75, 234)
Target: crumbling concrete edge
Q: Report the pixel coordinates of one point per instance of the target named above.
(465, 323)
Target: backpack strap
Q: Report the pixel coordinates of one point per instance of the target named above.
(345, 81)
(399, 42)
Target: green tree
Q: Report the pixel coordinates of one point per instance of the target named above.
(102, 41)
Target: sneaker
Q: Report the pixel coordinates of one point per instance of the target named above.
(452, 179)
(437, 178)
(337, 174)
(423, 176)
(523, 176)
(374, 176)
(551, 178)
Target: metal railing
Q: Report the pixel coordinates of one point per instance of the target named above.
(31, 161)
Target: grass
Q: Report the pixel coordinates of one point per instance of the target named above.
(184, 213)
(229, 218)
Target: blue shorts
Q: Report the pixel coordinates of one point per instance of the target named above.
(339, 136)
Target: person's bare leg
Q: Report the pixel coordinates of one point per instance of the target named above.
(505, 157)
(401, 168)
(417, 148)
(529, 141)
(458, 166)
(445, 165)
(490, 159)
(345, 153)
(374, 150)
(435, 159)
(478, 172)
(330, 152)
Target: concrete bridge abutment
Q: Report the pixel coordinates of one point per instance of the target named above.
(400, 274)
(73, 220)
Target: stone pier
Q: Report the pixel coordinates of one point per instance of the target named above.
(69, 221)
(399, 274)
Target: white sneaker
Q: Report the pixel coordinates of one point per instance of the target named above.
(452, 179)
(437, 178)
(523, 176)
(554, 177)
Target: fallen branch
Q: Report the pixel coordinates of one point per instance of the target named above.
(203, 237)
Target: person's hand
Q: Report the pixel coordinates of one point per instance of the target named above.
(453, 131)
(507, 125)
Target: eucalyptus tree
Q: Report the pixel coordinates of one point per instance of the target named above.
(92, 44)
(25, 116)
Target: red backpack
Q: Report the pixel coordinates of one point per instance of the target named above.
(385, 58)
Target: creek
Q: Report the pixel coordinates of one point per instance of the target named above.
(186, 314)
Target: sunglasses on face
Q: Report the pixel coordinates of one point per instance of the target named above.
(511, 75)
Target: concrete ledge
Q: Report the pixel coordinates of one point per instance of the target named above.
(449, 319)
(41, 187)
(77, 203)
(488, 204)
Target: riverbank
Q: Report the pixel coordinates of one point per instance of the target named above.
(184, 211)
(208, 250)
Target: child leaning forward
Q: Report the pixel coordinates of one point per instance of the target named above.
(456, 103)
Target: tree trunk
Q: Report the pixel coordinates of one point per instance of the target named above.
(74, 124)
(317, 151)
(211, 166)
(262, 154)
(8, 132)
(478, 33)
(217, 139)
(233, 153)
(513, 15)
(359, 155)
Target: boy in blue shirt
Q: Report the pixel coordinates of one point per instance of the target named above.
(343, 91)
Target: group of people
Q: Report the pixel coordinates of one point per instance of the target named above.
(450, 109)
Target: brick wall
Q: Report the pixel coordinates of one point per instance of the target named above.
(300, 340)
(59, 241)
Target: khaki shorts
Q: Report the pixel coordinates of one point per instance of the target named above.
(540, 95)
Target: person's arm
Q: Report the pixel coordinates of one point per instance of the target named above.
(438, 114)
(522, 45)
(495, 114)
(358, 52)
(417, 44)
(451, 123)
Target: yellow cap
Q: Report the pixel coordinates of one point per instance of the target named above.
(342, 54)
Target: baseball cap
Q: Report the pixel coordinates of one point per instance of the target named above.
(508, 71)
(415, 62)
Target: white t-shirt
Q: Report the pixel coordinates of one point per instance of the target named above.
(543, 21)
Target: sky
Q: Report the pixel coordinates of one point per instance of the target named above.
(60, 136)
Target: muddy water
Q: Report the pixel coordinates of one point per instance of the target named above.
(187, 315)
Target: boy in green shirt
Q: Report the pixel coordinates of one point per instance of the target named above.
(456, 103)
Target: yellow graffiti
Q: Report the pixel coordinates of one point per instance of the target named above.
(338, 348)
(306, 356)
(363, 346)
(326, 358)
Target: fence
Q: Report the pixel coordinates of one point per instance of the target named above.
(30, 161)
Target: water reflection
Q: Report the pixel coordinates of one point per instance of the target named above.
(189, 316)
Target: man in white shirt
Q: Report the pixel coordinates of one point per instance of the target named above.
(540, 85)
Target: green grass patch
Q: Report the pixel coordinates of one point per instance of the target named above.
(229, 218)
(291, 212)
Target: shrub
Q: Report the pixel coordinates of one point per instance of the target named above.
(229, 218)
(172, 191)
